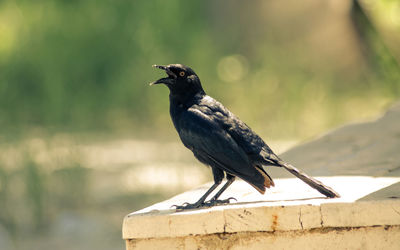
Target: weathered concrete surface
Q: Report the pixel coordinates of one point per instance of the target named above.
(365, 238)
(360, 161)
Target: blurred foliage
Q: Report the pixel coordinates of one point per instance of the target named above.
(385, 15)
(84, 65)
(379, 55)
(35, 193)
(79, 66)
(38, 190)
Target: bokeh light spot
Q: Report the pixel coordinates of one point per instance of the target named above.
(232, 68)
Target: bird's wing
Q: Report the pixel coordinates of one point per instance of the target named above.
(201, 133)
(252, 144)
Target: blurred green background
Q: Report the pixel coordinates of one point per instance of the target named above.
(84, 140)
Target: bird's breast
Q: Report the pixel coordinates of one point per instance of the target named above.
(176, 111)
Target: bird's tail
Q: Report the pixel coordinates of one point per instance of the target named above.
(323, 189)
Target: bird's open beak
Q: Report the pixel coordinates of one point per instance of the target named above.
(166, 80)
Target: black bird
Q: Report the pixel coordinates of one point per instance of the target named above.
(220, 139)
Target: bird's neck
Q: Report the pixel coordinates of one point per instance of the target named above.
(185, 98)
(178, 105)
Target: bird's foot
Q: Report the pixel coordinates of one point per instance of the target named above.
(210, 203)
(188, 205)
(215, 202)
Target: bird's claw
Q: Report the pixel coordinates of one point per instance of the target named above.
(214, 202)
(188, 205)
(232, 198)
(210, 203)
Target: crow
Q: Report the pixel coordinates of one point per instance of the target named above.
(220, 139)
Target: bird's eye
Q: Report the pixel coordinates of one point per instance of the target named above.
(182, 73)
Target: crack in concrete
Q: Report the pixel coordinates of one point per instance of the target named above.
(301, 222)
(225, 223)
(322, 218)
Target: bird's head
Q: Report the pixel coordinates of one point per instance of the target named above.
(181, 80)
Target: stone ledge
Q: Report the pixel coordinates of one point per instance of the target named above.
(278, 211)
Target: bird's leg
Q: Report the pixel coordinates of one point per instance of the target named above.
(214, 200)
(200, 202)
(218, 177)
